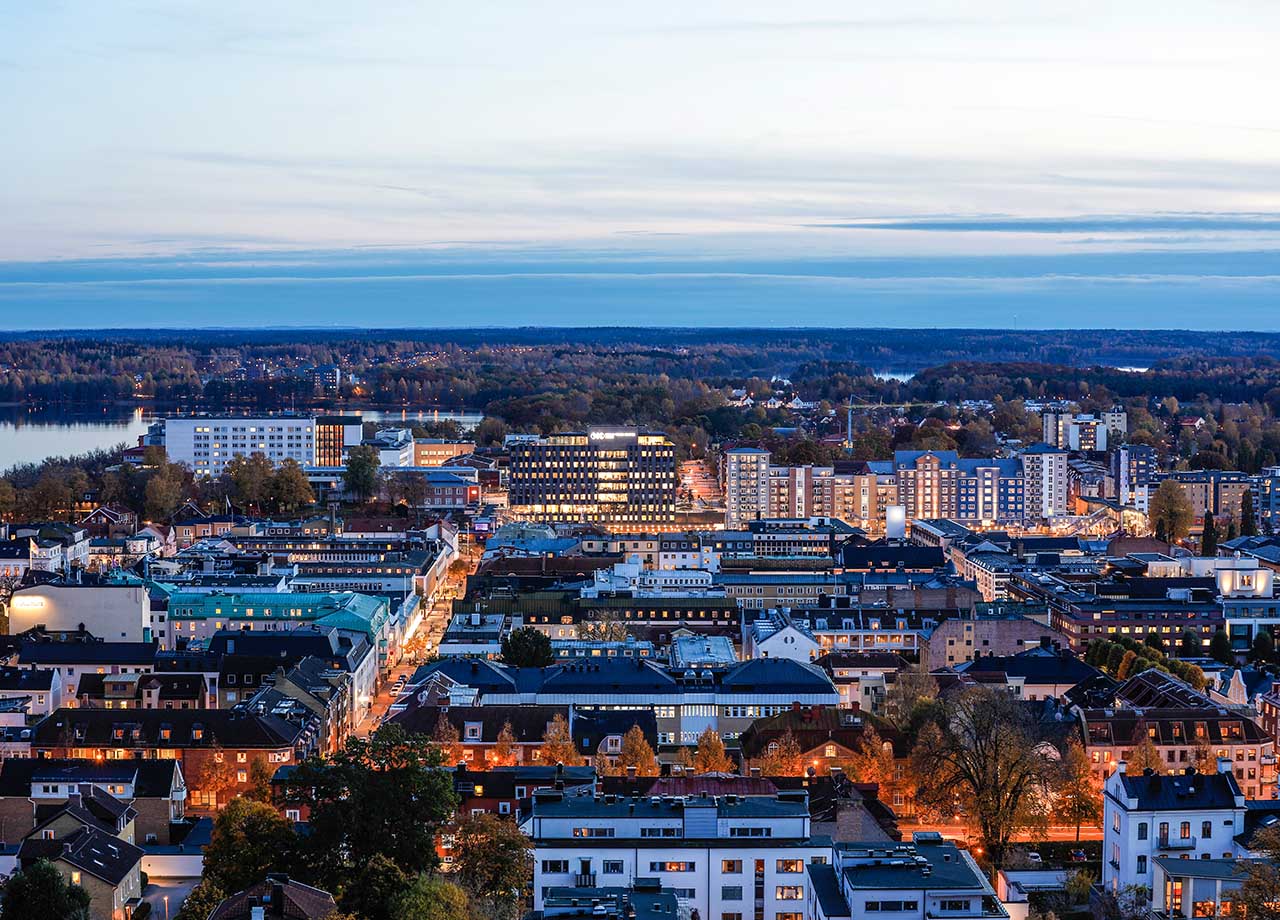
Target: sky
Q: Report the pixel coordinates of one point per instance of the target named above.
(542, 162)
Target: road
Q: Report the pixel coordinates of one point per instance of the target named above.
(175, 889)
(962, 832)
(434, 622)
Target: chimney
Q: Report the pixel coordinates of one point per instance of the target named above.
(1122, 768)
(631, 772)
(277, 893)
(1224, 764)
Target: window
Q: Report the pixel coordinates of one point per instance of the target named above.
(790, 865)
(673, 867)
(750, 832)
(731, 893)
(242, 776)
(1184, 830)
(789, 892)
(75, 876)
(1142, 865)
(292, 814)
(555, 865)
(730, 866)
(788, 915)
(953, 904)
(1206, 829)
(504, 808)
(612, 867)
(729, 916)
(661, 832)
(1142, 830)
(593, 832)
(891, 906)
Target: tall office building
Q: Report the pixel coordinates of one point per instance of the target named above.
(619, 478)
(207, 445)
(746, 486)
(334, 435)
(1044, 472)
(1131, 469)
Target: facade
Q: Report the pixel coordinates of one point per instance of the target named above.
(115, 610)
(939, 484)
(992, 629)
(746, 486)
(1132, 467)
(618, 478)
(208, 444)
(334, 436)
(1211, 492)
(720, 855)
(1044, 469)
(200, 616)
(438, 452)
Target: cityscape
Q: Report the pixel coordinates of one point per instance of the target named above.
(665, 461)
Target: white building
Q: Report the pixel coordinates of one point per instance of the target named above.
(114, 610)
(721, 855)
(746, 486)
(1044, 472)
(1187, 815)
(927, 878)
(633, 579)
(207, 445)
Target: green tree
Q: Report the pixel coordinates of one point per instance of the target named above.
(41, 891)
(1189, 645)
(164, 494)
(1248, 519)
(249, 840)
(8, 499)
(289, 488)
(1170, 512)
(1264, 647)
(260, 776)
(490, 432)
(431, 898)
(913, 686)
(383, 795)
(1220, 647)
(1078, 800)
(527, 647)
(202, 901)
(447, 741)
(1258, 896)
(250, 479)
(1154, 641)
(1209, 539)
(362, 478)
(492, 863)
(373, 892)
(710, 756)
(985, 752)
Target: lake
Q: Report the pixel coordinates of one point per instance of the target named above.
(30, 436)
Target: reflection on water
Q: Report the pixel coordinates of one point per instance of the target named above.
(30, 436)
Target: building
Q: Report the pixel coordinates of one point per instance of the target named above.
(1080, 432)
(73, 659)
(334, 436)
(720, 855)
(108, 867)
(117, 609)
(208, 443)
(1211, 492)
(990, 629)
(939, 484)
(1188, 815)
(41, 687)
(278, 897)
(1044, 471)
(746, 486)
(1132, 467)
(927, 878)
(1184, 888)
(438, 452)
(618, 478)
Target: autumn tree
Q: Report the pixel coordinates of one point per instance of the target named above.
(492, 862)
(913, 686)
(985, 753)
(506, 753)
(216, 777)
(558, 745)
(447, 741)
(783, 757)
(602, 625)
(1146, 756)
(872, 761)
(430, 897)
(1258, 896)
(636, 752)
(1078, 798)
(250, 478)
(289, 487)
(709, 756)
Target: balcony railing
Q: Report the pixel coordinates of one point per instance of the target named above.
(584, 880)
(1176, 843)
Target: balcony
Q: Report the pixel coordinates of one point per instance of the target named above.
(584, 880)
(1176, 843)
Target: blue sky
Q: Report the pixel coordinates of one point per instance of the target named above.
(749, 163)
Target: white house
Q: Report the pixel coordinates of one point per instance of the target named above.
(1190, 814)
(112, 609)
(42, 687)
(721, 855)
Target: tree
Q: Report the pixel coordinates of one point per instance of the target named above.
(505, 751)
(985, 753)
(710, 756)
(447, 741)
(8, 499)
(1233, 530)
(1078, 799)
(41, 891)
(558, 746)
(602, 625)
(430, 898)
(637, 753)
(289, 488)
(1189, 645)
(202, 901)
(375, 889)
(1209, 538)
(914, 685)
(362, 478)
(490, 432)
(383, 795)
(1220, 647)
(411, 488)
(216, 777)
(250, 478)
(164, 494)
(260, 776)
(1259, 892)
(526, 647)
(1264, 647)
(1146, 756)
(783, 757)
(872, 761)
(492, 863)
(1248, 519)
(249, 840)
(1170, 512)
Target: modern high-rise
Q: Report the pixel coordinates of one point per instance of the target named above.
(1044, 472)
(335, 434)
(746, 486)
(619, 478)
(939, 484)
(208, 444)
(1082, 432)
(1131, 469)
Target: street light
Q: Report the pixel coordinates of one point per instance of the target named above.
(166, 907)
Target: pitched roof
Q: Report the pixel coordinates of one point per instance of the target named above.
(1190, 789)
(100, 854)
(283, 899)
(150, 778)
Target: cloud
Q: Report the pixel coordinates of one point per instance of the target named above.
(1153, 223)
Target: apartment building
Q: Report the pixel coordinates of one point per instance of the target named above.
(746, 486)
(939, 484)
(208, 444)
(1044, 471)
